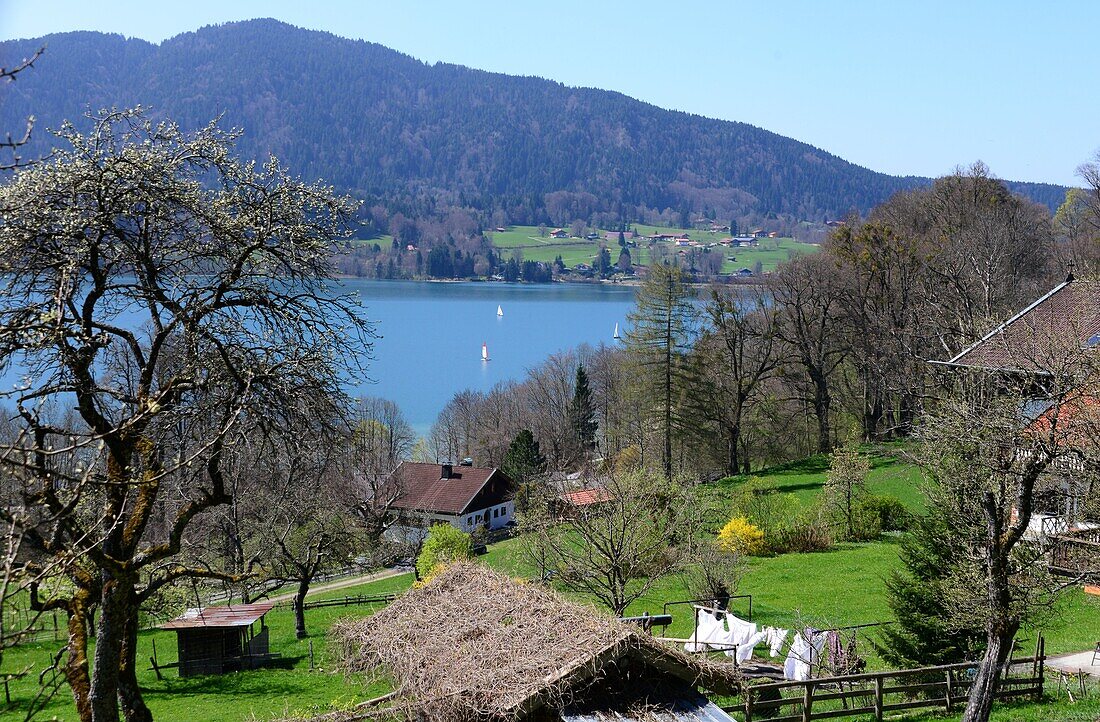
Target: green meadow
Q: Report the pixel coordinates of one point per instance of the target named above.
(839, 587)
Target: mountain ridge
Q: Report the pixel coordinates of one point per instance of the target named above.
(421, 137)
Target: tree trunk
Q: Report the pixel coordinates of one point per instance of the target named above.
(733, 461)
(300, 609)
(982, 692)
(134, 708)
(76, 665)
(108, 650)
(821, 412)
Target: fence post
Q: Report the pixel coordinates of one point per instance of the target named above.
(947, 698)
(878, 699)
(1042, 659)
(748, 704)
(807, 702)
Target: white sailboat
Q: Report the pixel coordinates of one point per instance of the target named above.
(484, 352)
(500, 311)
(616, 330)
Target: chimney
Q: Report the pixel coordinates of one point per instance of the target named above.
(446, 472)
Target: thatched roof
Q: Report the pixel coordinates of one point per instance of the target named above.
(474, 644)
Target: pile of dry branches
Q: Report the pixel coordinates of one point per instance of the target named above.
(474, 644)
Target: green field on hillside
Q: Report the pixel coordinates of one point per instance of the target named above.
(526, 239)
(839, 587)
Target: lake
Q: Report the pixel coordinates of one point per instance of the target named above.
(431, 334)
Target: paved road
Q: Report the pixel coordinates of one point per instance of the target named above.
(341, 584)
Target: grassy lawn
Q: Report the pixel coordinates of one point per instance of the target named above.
(805, 479)
(287, 688)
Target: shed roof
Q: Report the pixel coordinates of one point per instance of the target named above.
(1063, 320)
(234, 615)
(421, 487)
(586, 497)
(691, 707)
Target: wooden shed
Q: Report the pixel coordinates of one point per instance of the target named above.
(216, 640)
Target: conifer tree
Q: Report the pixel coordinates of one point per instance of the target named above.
(923, 633)
(523, 462)
(582, 411)
(659, 341)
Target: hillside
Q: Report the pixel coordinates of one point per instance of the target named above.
(384, 126)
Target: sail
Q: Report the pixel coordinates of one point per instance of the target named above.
(616, 330)
(500, 311)
(484, 352)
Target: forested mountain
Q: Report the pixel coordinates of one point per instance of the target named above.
(423, 138)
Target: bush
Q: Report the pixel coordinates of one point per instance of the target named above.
(740, 536)
(444, 545)
(713, 573)
(887, 512)
(807, 532)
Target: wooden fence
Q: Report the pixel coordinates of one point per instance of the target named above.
(1076, 554)
(345, 601)
(943, 687)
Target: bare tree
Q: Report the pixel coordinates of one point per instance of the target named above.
(172, 294)
(733, 359)
(615, 550)
(805, 294)
(12, 144)
(305, 523)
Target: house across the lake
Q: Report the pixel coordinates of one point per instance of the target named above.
(465, 496)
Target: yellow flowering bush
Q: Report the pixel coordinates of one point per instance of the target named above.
(741, 536)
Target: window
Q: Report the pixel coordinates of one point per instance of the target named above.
(469, 521)
(496, 513)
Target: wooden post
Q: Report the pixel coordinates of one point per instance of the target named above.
(949, 693)
(748, 704)
(807, 702)
(311, 655)
(878, 699)
(1042, 662)
(7, 692)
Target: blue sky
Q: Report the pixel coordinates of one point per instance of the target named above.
(900, 87)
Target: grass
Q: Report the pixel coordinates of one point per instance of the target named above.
(805, 479)
(289, 688)
(526, 239)
(843, 586)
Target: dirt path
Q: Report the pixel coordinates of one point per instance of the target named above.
(342, 584)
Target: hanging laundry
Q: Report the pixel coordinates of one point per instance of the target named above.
(804, 653)
(744, 649)
(707, 628)
(776, 638)
(740, 630)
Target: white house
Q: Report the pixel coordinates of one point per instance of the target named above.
(466, 497)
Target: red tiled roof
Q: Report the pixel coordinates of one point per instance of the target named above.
(1037, 336)
(422, 487)
(585, 497)
(235, 615)
(1077, 417)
